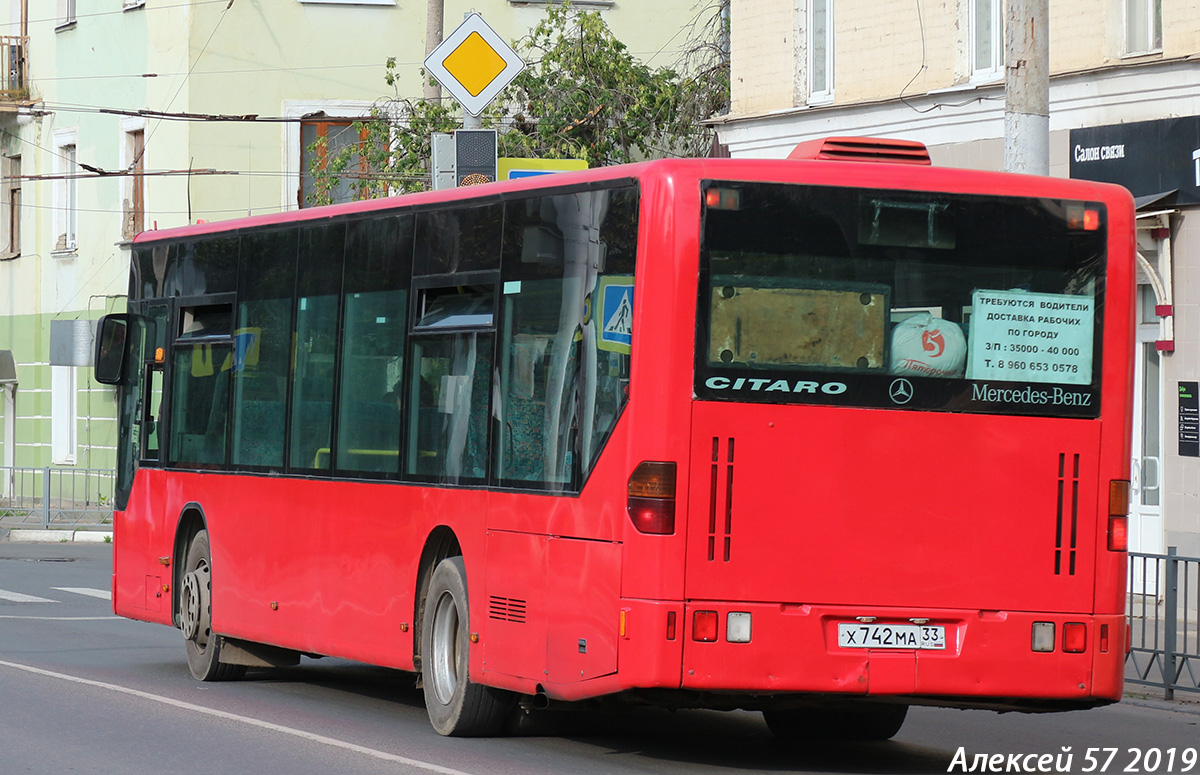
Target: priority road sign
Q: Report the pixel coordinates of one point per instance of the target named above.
(474, 64)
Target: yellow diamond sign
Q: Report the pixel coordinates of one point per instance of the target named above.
(474, 64)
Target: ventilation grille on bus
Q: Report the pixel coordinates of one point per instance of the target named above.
(1066, 531)
(720, 504)
(506, 609)
(863, 149)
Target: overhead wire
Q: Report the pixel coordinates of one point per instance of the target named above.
(55, 20)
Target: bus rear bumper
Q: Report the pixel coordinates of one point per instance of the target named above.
(983, 655)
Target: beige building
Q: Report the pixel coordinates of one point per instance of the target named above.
(123, 115)
(1124, 108)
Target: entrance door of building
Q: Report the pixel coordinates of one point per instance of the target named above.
(1146, 471)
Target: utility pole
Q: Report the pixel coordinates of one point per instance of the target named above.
(433, 37)
(1027, 87)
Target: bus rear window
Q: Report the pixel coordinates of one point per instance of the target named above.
(900, 299)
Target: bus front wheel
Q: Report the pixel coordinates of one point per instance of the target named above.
(456, 706)
(195, 616)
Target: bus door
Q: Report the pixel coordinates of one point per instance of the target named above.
(156, 317)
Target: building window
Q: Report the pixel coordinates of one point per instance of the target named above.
(321, 142)
(12, 207)
(1143, 26)
(133, 206)
(66, 13)
(820, 50)
(64, 415)
(66, 193)
(986, 30)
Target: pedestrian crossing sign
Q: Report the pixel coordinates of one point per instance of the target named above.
(615, 321)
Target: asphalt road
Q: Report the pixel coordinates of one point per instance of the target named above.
(82, 691)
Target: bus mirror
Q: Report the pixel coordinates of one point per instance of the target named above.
(111, 338)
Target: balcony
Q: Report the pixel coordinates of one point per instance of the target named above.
(14, 81)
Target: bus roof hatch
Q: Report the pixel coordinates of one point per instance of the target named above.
(863, 149)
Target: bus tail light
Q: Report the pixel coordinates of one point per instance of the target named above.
(1080, 217)
(723, 199)
(704, 626)
(1118, 515)
(1043, 636)
(1074, 638)
(651, 503)
(1104, 639)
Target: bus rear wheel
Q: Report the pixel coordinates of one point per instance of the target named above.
(195, 616)
(875, 722)
(456, 706)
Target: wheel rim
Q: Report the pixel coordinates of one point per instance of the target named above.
(195, 605)
(445, 648)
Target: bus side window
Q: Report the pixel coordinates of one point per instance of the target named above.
(262, 341)
(200, 403)
(375, 317)
(448, 399)
(318, 283)
(568, 260)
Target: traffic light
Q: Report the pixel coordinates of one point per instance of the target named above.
(475, 156)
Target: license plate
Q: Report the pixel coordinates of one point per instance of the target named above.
(891, 636)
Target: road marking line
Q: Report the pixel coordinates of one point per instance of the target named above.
(17, 597)
(389, 757)
(67, 618)
(103, 594)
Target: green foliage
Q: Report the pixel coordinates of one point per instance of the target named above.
(582, 96)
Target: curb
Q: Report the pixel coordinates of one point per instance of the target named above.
(1177, 706)
(60, 536)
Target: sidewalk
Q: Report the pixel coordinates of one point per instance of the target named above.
(68, 535)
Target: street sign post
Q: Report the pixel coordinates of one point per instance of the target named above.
(474, 64)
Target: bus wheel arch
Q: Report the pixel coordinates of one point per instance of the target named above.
(191, 522)
(456, 706)
(441, 543)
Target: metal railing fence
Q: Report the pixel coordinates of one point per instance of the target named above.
(56, 497)
(1164, 622)
(13, 66)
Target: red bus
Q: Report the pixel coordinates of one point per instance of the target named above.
(824, 437)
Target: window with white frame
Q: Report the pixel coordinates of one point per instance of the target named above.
(1143, 26)
(64, 414)
(12, 207)
(298, 145)
(985, 27)
(66, 13)
(66, 192)
(820, 50)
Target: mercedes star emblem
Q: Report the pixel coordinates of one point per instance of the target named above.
(901, 391)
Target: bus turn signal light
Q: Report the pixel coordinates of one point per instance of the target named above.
(651, 503)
